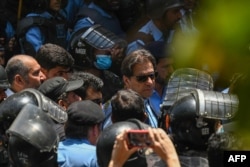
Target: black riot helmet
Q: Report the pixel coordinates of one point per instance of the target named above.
(194, 116)
(10, 108)
(156, 8)
(81, 51)
(85, 40)
(32, 141)
(107, 138)
(181, 82)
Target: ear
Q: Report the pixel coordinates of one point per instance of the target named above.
(96, 130)
(63, 104)
(19, 80)
(126, 81)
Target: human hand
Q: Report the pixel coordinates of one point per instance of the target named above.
(163, 146)
(117, 53)
(121, 152)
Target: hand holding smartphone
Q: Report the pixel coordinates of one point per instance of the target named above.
(138, 138)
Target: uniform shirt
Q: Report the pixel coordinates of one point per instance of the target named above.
(110, 22)
(71, 9)
(37, 38)
(148, 28)
(76, 153)
(9, 30)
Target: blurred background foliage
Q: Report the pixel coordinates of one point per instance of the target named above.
(222, 48)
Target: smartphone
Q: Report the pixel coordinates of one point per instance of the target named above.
(138, 138)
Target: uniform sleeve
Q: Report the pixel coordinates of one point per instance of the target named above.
(35, 37)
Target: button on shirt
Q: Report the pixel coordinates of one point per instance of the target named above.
(76, 153)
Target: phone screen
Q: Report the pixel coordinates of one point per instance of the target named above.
(138, 138)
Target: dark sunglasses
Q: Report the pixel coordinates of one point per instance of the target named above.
(144, 78)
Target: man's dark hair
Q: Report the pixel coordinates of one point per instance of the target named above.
(52, 55)
(127, 104)
(76, 131)
(89, 80)
(16, 66)
(136, 57)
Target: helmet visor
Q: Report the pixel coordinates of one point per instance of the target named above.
(35, 127)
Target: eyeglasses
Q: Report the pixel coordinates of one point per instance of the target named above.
(144, 78)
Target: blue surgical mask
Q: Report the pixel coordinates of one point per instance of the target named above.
(103, 62)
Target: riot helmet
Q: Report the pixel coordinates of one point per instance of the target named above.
(181, 82)
(107, 138)
(10, 108)
(81, 51)
(155, 9)
(84, 41)
(4, 83)
(32, 141)
(193, 117)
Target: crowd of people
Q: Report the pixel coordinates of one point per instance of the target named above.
(77, 75)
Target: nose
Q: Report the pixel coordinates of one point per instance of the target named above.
(150, 80)
(42, 76)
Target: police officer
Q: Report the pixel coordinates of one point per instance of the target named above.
(100, 52)
(193, 119)
(163, 14)
(100, 12)
(46, 24)
(10, 109)
(32, 141)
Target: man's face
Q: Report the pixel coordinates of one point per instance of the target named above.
(2, 94)
(171, 17)
(145, 87)
(94, 95)
(35, 76)
(164, 68)
(57, 71)
(55, 5)
(72, 97)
